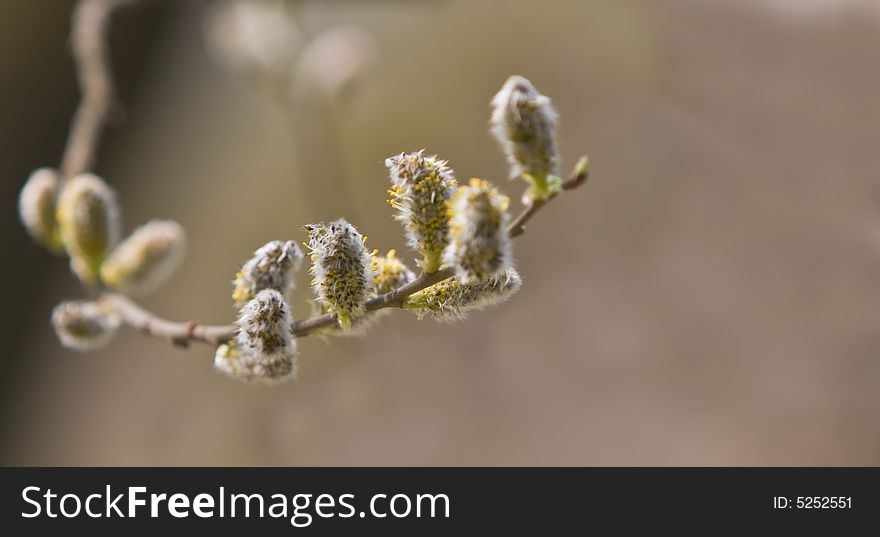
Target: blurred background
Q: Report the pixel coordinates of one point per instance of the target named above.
(711, 297)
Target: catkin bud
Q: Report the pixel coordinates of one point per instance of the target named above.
(271, 267)
(83, 325)
(146, 258)
(36, 207)
(88, 217)
(264, 348)
(342, 269)
(389, 273)
(451, 300)
(479, 246)
(420, 188)
(524, 123)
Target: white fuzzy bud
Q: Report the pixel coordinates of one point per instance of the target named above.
(451, 300)
(480, 246)
(147, 258)
(420, 189)
(264, 348)
(88, 218)
(82, 325)
(36, 207)
(389, 273)
(524, 123)
(342, 269)
(272, 267)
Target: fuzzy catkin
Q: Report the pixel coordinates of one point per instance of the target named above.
(342, 269)
(451, 300)
(524, 123)
(83, 325)
(480, 246)
(89, 222)
(36, 208)
(420, 189)
(144, 260)
(271, 267)
(389, 273)
(264, 348)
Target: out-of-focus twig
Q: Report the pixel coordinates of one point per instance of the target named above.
(89, 43)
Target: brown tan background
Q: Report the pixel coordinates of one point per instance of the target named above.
(712, 297)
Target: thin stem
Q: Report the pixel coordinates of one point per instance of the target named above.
(149, 324)
(518, 226)
(89, 43)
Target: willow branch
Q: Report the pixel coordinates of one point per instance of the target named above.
(182, 333)
(89, 43)
(149, 324)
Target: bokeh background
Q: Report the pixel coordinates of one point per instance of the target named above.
(711, 297)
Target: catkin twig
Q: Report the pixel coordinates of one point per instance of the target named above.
(181, 334)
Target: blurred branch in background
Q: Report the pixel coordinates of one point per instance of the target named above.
(310, 78)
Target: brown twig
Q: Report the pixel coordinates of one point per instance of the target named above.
(135, 316)
(181, 333)
(576, 179)
(89, 43)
